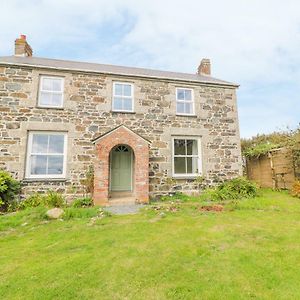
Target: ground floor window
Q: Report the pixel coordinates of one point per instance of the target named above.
(46, 154)
(186, 156)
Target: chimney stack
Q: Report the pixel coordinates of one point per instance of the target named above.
(204, 67)
(22, 48)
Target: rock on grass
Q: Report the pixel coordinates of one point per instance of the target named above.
(54, 213)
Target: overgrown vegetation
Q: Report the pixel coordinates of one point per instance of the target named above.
(237, 188)
(51, 199)
(296, 189)
(9, 190)
(262, 144)
(33, 200)
(54, 199)
(82, 202)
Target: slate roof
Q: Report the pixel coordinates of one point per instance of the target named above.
(109, 69)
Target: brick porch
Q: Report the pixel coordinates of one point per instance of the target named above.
(140, 147)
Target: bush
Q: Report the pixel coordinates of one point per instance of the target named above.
(51, 199)
(9, 189)
(296, 189)
(54, 199)
(233, 189)
(82, 202)
(33, 200)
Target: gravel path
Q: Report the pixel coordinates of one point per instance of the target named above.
(124, 209)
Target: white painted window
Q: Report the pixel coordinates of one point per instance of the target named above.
(46, 154)
(186, 157)
(123, 99)
(51, 92)
(184, 101)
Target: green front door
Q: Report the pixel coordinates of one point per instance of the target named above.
(121, 169)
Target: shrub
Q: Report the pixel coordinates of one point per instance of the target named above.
(296, 189)
(9, 189)
(82, 202)
(33, 200)
(51, 199)
(232, 189)
(260, 149)
(54, 199)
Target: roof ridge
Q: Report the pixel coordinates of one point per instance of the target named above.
(110, 69)
(108, 65)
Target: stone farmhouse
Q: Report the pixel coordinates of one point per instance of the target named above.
(141, 133)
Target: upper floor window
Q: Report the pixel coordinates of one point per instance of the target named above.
(184, 101)
(46, 155)
(122, 97)
(186, 156)
(51, 91)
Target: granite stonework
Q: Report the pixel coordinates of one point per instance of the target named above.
(87, 114)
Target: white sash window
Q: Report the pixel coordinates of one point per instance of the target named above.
(184, 101)
(46, 155)
(186, 157)
(123, 99)
(51, 92)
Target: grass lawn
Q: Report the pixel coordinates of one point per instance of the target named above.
(251, 250)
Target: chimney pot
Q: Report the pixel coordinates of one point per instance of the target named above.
(22, 48)
(204, 67)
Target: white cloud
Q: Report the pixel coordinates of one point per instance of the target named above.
(249, 42)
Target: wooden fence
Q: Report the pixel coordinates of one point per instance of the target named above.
(276, 169)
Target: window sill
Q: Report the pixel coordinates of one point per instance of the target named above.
(45, 180)
(184, 115)
(50, 107)
(122, 112)
(185, 177)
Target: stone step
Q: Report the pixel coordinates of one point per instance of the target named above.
(121, 201)
(120, 194)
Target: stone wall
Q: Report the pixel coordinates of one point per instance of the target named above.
(87, 114)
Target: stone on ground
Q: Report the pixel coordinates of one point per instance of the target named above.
(54, 213)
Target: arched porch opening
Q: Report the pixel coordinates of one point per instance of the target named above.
(110, 149)
(121, 171)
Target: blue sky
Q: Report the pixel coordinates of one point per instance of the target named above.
(253, 43)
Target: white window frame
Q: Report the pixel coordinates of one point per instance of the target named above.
(132, 96)
(29, 153)
(51, 92)
(199, 157)
(186, 101)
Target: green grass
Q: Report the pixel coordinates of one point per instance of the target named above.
(251, 250)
